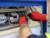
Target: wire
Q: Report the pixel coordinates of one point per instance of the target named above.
(31, 8)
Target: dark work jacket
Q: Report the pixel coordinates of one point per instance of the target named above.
(36, 36)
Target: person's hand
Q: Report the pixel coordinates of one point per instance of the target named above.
(22, 20)
(37, 16)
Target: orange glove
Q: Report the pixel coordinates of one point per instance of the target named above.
(22, 20)
(37, 16)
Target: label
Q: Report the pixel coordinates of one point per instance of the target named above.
(2, 20)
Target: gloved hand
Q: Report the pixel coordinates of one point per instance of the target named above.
(22, 20)
(37, 16)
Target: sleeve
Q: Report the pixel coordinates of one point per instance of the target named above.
(36, 36)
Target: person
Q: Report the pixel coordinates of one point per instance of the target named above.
(25, 31)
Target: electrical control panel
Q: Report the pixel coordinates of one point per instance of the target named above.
(9, 17)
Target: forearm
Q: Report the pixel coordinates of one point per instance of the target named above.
(22, 27)
(48, 5)
(25, 31)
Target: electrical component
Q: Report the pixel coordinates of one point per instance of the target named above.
(2, 18)
(14, 17)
